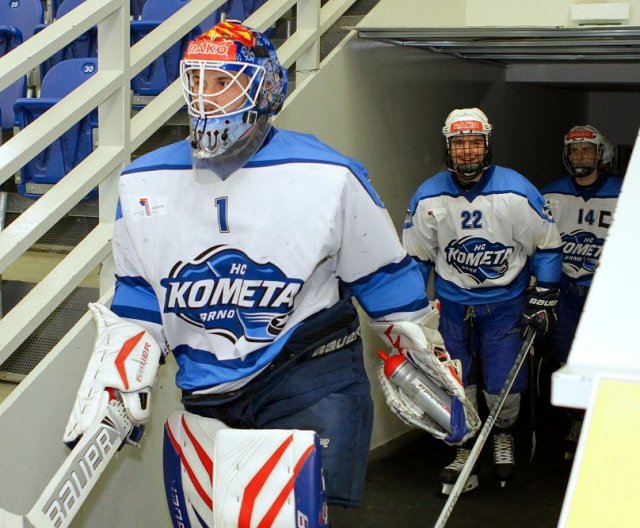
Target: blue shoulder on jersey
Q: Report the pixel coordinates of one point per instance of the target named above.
(286, 146)
(440, 184)
(495, 180)
(608, 186)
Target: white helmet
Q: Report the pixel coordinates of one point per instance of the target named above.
(583, 134)
(608, 155)
(462, 122)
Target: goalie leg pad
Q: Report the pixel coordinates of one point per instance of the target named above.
(269, 477)
(222, 477)
(188, 468)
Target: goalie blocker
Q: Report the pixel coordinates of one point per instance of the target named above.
(428, 392)
(223, 477)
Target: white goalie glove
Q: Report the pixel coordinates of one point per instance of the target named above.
(433, 397)
(124, 366)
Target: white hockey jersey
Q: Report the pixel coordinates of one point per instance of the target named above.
(583, 216)
(484, 242)
(228, 269)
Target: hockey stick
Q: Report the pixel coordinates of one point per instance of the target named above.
(533, 395)
(486, 429)
(78, 474)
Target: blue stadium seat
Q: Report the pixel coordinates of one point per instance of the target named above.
(166, 68)
(85, 45)
(22, 14)
(57, 160)
(135, 8)
(10, 37)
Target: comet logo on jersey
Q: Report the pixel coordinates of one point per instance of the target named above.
(230, 295)
(478, 258)
(581, 250)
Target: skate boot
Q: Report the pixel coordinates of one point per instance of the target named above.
(449, 474)
(503, 458)
(570, 442)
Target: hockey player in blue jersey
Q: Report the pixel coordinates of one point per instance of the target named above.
(240, 248)
(583, 203)
(483, 229)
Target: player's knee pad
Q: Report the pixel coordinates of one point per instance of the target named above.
(222, 477)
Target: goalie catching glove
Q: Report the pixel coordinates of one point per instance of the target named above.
(430, 375)
(123, 366)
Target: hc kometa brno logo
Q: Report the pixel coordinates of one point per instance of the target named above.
(479, 258)
(228, 294)
(581, 250)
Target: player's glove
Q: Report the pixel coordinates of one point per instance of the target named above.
(123, 365)
(423, 345)
(540, 309)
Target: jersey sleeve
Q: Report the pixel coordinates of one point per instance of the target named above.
(540, 237)
(134, 298)
(372, 261)
(419, 238)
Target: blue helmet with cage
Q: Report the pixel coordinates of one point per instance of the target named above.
(233, 83)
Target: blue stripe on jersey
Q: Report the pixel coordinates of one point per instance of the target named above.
(196, 365)
(547, 267)
(293, 147)
(134, 298)
(396, 287)
(425, 267)
(452, 292)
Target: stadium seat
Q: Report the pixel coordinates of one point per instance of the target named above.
(57, 160)
(85, 45)
(22, 14)
(166, 68)
(135, 8)
(10, 38)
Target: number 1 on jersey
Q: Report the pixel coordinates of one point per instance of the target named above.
(221, 206)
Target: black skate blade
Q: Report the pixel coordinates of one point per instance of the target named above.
(470, 484)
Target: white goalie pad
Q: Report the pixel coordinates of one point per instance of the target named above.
(231, 478)
(424, 347)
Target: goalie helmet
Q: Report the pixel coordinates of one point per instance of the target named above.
(461, 127)
(582, 134)
(233, 83)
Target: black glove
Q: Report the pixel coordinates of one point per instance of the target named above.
(539, 310)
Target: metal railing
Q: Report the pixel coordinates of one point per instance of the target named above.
(119, 133)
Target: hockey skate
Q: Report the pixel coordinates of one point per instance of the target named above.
(570, 442)
(503, 457)
(449, 474)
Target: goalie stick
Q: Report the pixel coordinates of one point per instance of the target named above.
(486, 429)
(70, 486)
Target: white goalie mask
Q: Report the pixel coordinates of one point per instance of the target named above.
(467, 134)
(232, 83)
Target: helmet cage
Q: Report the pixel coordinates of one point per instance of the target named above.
(583, 134)
(464, 122)
(202, 105)
(469, 172)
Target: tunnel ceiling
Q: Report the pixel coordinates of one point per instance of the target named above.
(509, 45)
(608, 54)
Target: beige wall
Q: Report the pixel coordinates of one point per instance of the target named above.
(460, 13)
